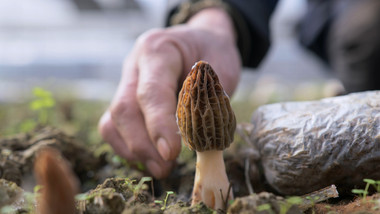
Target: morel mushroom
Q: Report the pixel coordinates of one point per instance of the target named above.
(59, 184)
(207, 125)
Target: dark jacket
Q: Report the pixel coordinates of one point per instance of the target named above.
(255, 40)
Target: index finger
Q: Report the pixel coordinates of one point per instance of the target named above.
(157, 96)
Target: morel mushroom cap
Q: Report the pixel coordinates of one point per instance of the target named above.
(204, 114)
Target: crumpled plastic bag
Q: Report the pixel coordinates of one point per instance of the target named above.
(305, 146)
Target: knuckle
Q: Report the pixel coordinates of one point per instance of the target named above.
(151, 36)
(154, 41)
(116, 109)
(121, 109)
(148, 92)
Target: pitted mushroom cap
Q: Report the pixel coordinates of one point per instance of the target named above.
(204, 114)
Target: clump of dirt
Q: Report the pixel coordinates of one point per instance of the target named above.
(113, 196)
(13, 199)
(262, 203)
(369, 205)
(182, 207)
(9, 192)
(102, 200)
(10, 169)
(118, 195)
(18, 154)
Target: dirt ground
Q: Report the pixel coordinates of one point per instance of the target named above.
(111, 185)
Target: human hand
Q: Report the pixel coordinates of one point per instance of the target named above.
(140, 123)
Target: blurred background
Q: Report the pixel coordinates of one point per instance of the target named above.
(73, 45)
(75, 49)
(78, 46)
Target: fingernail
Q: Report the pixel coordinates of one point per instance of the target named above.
(163, 148)
(154, 168)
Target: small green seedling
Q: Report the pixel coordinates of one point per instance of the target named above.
(136, 189)
(294, 200)
(27, 125)
(37, 188)
(265, 207)
(360, 192)
(119, 160)
(288, 203)
(42, 102)
(140, 166)
(165, 202)
(82, 197)
(130, 183)
(375, 184)
(363, 193)
(312, 201)
(95, 194)
(140, 185)
(231, 201)
(116, 159)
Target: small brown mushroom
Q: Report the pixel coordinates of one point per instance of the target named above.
(59, 183)
(207, 125)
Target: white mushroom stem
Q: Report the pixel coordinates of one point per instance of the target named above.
(211, 180)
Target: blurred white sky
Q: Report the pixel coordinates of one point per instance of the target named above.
(52, 43)
(56, 32)
(34, 13)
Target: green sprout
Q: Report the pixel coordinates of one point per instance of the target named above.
(165, 202)
(359, 192)
(94, 194)
(136, 189)
(27, 125)
(288, 203)
(294, 200)
(118, 160)
(82, 196)
(265, 207)
(375, 184)
(312, 200)
(231, 201)
(36, 191)
(37, 188)
(140, 166)
(42, 102)
(363, 193)
(140, 185)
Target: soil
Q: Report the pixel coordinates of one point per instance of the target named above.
(109, 185)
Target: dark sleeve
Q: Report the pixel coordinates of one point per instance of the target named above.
(255, 41)
(251, 19)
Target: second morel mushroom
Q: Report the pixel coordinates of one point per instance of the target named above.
(207, 125)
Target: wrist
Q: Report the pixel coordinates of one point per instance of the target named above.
(216, 20)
